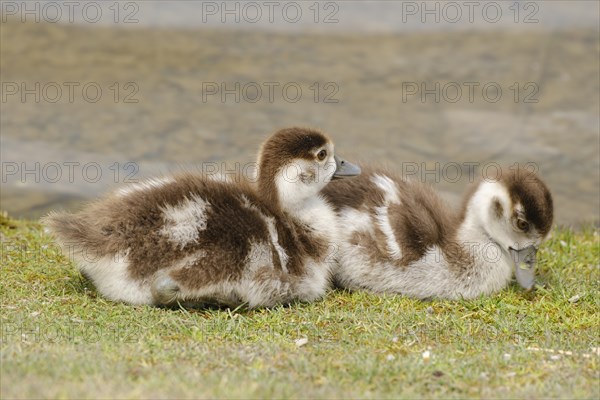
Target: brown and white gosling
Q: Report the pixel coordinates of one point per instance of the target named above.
(398, 236)
(192, 239)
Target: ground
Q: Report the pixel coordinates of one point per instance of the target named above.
(60, 339)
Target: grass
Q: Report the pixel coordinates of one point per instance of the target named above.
(60, 339)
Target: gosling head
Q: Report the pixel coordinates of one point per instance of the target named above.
(296, 163)
(516, 212)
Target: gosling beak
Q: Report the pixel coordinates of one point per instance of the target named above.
(344, 169)
(524, 260)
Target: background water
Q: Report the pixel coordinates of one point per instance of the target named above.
(146, 87)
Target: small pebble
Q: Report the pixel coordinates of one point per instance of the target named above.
(506, 356)
(429, 310)
(390, 357)
(301, 342)
(563, 243)
(395, 339)
(574, 299)
(426, 356)
(555, 357)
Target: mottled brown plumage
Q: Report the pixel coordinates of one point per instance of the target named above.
(193, 238)
(400, 236)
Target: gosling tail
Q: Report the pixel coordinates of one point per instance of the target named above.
(72, 232)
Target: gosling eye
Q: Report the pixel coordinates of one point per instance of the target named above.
(522, 225)
(322, 155)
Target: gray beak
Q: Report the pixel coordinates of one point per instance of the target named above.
(344, 169)
(524, 260)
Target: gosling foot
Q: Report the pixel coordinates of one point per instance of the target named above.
(165, 291)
